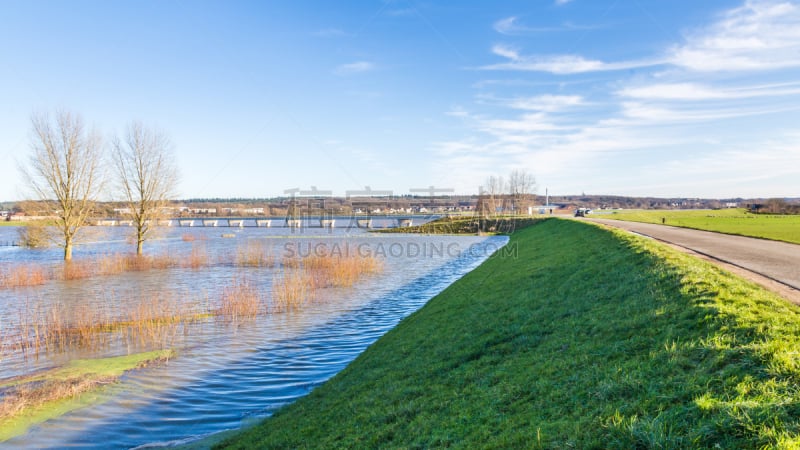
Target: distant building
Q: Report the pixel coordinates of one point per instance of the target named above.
(203, 210)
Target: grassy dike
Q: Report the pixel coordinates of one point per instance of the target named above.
(585, 338)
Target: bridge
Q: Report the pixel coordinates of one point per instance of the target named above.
(287, 222)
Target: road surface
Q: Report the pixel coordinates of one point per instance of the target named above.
(773, 264)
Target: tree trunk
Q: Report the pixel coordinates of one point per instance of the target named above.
(139, 245)
(68, 250)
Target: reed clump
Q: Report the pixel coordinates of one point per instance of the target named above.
(341, 271)
(22, 276)
(254, 254)
(240, 300)
(78, 270)
(198, 259)
(291, 289)
(155, 321)
(149, 321)
(21, 398)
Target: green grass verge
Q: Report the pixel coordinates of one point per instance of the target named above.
(467, 225)
(53, 388)
(730, 221)
(585, 338)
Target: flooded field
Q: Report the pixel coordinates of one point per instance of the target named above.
(257, 317)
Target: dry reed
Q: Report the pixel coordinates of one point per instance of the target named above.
(340, 271)
(254, 254)
(23, 275)
(148, 321)
(198, 259)
(77, 270)
(292, 289)
(18, 399)
(240, 300)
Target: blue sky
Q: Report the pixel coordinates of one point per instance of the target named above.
(627, 97)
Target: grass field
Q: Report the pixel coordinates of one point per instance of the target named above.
(579, 337)
(730, 221)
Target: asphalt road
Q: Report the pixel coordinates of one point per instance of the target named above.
(776, 261)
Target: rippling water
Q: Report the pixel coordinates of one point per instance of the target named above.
(226, 376)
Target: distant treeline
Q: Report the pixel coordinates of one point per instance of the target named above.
(776, 206)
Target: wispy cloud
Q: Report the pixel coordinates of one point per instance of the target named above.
(546, 103)
(354, 68)
(562, 2)
(689, 119)
(760, 35)
(561, 64)
(510, 26)
(330, 33)
(695, 91)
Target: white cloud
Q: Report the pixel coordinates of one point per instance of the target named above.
(694, 91)
(562, 2)
(547, 102)
(560, 64)
(330, 33)
(510, 26)
(506, 26)
(760, 35)
(528, 123)
(699, 120)
(672, 91)
(354, 68)
(506, 52)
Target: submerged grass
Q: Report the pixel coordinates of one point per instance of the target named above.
(52, 327)
(26, 401)
(729, 221)
(583, 338)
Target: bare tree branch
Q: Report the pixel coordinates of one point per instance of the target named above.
(65, 171)
(146, 176)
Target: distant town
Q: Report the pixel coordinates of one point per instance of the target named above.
(407, 205)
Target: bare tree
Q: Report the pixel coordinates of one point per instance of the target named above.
(147, 176)
(521, 186)
(495, 190)
(66, 171)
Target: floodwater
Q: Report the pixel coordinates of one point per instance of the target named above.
(227, 375)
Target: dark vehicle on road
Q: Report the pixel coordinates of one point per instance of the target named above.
(582, 212)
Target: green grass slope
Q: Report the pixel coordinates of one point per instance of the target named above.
(578, 337)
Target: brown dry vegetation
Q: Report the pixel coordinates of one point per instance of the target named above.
(340, 271)
(289, 290)
(154, 321)
(26, 393)
(22, 275)
(19, 399)
(148, 321)
(254, 254)
(240, 300)
(198, 259)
